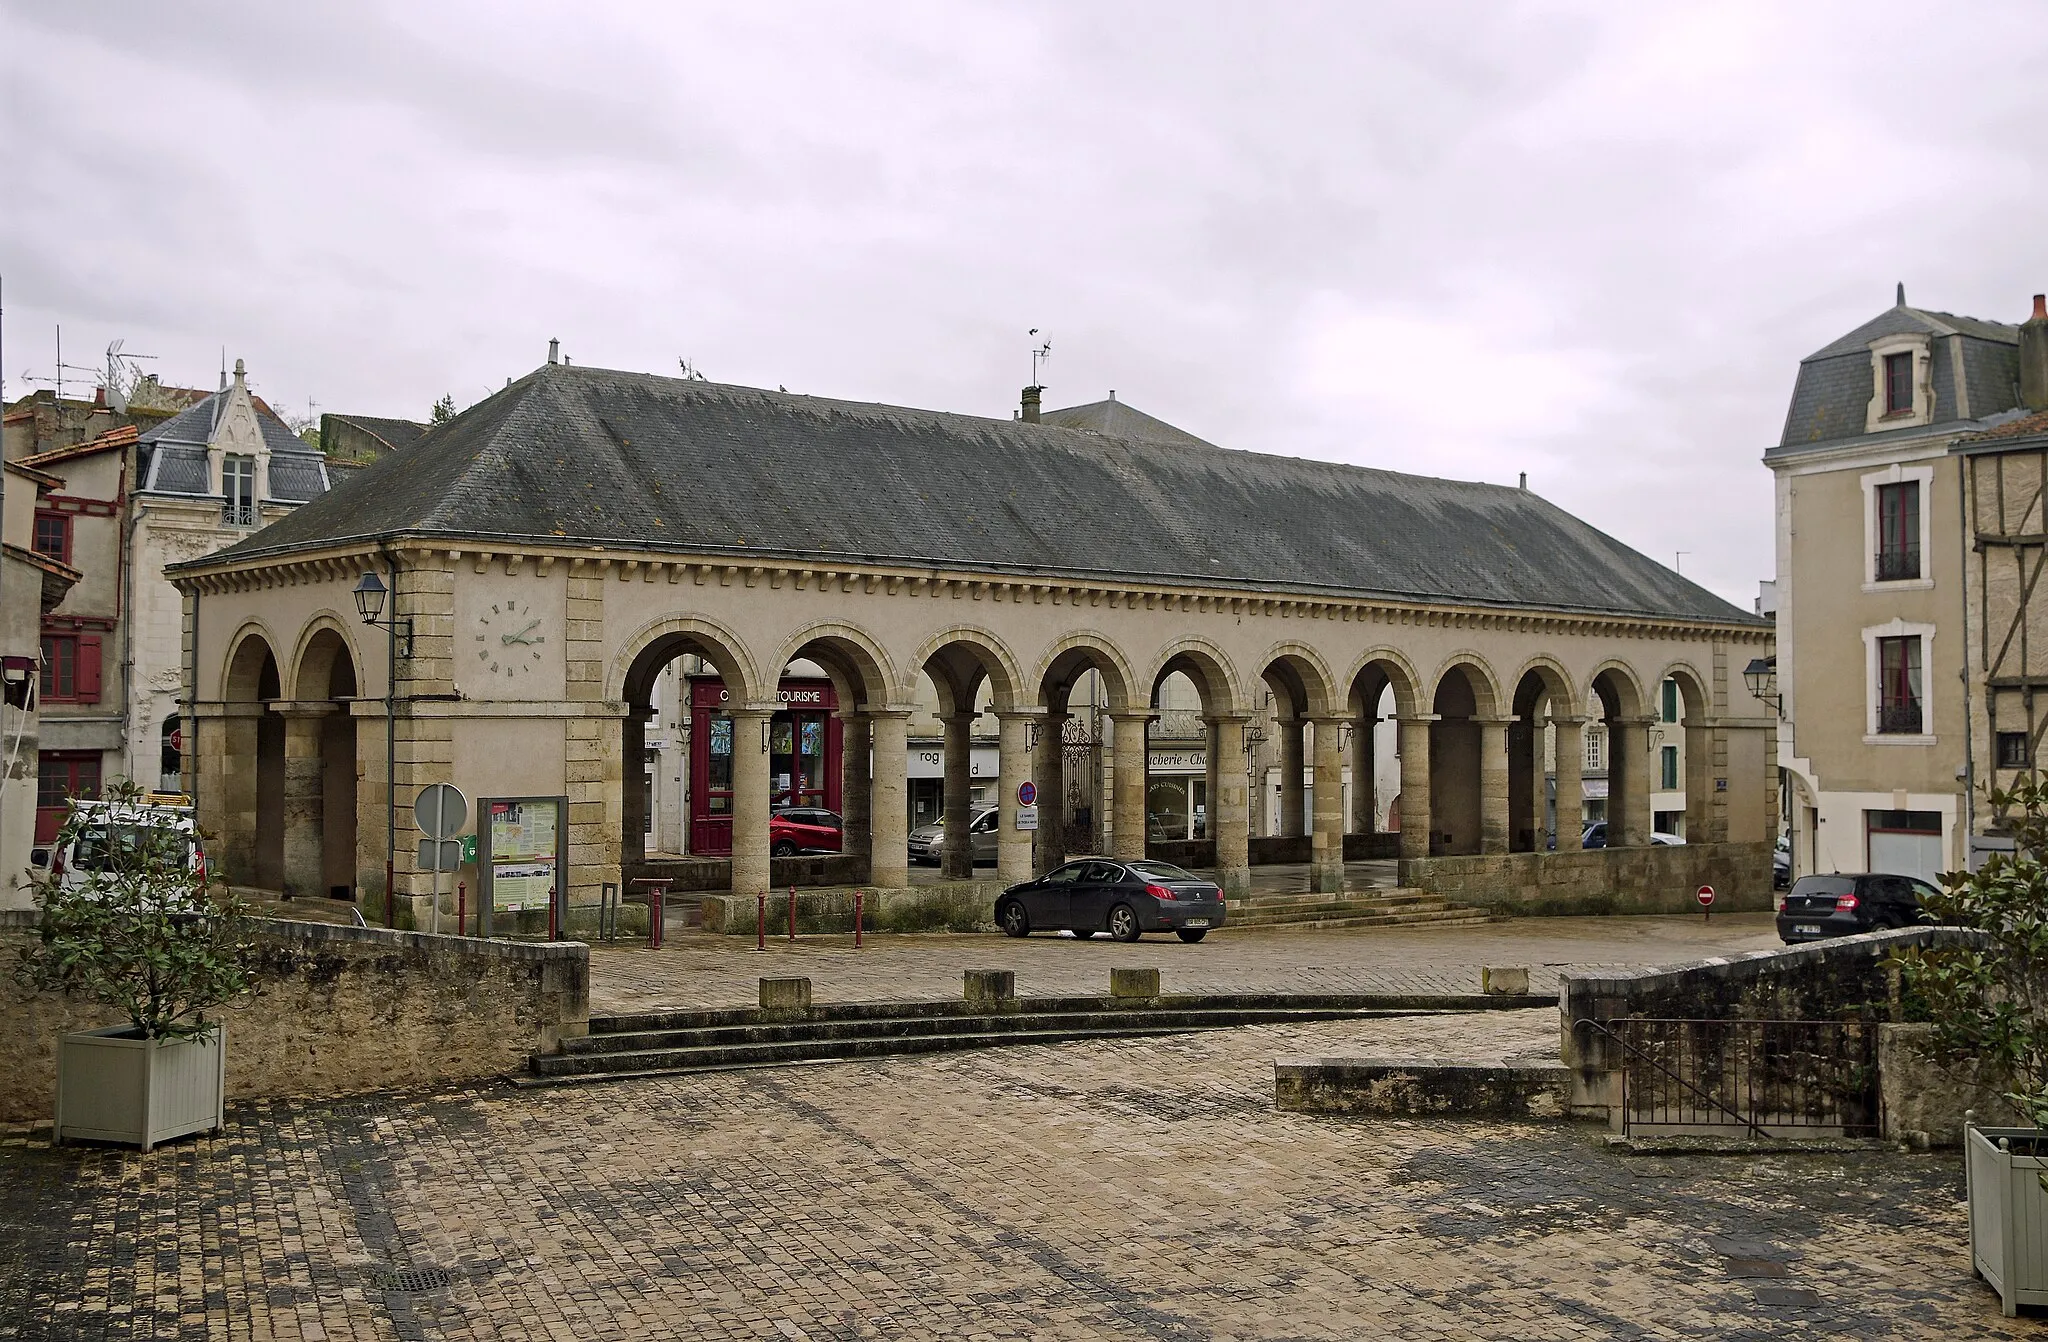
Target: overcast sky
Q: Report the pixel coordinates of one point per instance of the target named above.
(1586, 241)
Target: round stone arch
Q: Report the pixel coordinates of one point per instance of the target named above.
(658, 642)
(241, 764)
(1400, 674)
(1624, 683)
(1108, 660)
(859, 651)
(242, 670)
(998, 662)
(1557, 682)
(1307, 667)
(312, 663)
(1219, 675)
(1694, 703)
(1479, 674)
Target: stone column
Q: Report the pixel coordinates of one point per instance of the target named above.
(1050, 773)
(633, 793)
(1493, 784)
(1415, 814)
(1127, 837)
(750, 870)
(1365, 802)
(1211, 780)
(855, 748)
(1326, 860)
(1013, 846)
(227, 789)
(1230, 809)
(1571, 786)
(1705, 822)
(956, 856)
(1291, 801)
(888, 802)
(1629, 782)
(305, 808)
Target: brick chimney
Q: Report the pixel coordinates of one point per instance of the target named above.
(2034, 356)
(1031, 401)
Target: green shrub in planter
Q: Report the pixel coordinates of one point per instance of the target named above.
(131, 923)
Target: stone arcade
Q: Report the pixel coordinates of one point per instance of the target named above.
(557, 545)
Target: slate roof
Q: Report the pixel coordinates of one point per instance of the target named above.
(393, 433)
(177, 454)
(1114, 419)
(1832, 395)
(590, 456)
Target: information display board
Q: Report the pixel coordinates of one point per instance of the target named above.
(523, 860)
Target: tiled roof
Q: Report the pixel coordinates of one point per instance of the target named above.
(106, 442)
(2032, 425)
(590, 456)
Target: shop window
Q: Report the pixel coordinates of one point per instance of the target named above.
(1898, 384)
(53, 537)
(71, 668)
(1898, 672)
(1898, 531)
(1668, 759)
(2015, 751)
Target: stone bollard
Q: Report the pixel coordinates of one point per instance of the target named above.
(1504, 980)
(785, 997)
(990, 987)
(1134, 983)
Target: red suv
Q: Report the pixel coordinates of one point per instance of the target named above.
(804, 829)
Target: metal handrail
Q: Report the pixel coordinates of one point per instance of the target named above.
(1713, 1101)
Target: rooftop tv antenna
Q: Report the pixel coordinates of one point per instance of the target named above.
(1039, 354)
(122, 373)
(691, 373)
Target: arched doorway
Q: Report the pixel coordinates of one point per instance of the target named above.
(1534, 822)
(1309, 793)
(971, 674)
(726, 774)
(319, 802)
(1455, 764)
(837, 752)
(1091, 749)
(1625, 726)
(246, 805)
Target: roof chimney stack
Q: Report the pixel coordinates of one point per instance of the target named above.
(554, 351)
(2034, 356)
(1031, 404)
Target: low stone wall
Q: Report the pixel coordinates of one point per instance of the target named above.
(691, 875)
(1925, 1095)
(956, 906)
(1655, 879)
(338, 1010)
(1422, 1087)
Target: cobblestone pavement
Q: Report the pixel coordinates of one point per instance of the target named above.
(696, 969)
(1120, 1189)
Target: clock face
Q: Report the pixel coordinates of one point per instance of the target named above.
(508, 639)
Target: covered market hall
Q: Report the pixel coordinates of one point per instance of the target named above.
(536, 564)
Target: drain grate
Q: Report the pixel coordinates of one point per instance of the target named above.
(359, 1109)
(414, 1279)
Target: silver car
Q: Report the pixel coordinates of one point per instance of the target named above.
(927, 841)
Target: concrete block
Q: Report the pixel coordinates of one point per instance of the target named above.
(785, 997)
(1511, 980)
(986, 987)
(1134, 983)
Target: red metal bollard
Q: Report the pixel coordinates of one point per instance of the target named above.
(462, 908)
(761, 922)
(858, 897)
(553, 930)
(792, 913)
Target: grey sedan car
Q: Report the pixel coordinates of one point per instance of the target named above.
(1124, 899)
(926, 841)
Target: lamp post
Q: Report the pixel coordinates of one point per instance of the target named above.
(370, 594)
(1761, 675)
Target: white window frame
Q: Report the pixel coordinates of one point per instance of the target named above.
(1921, 346)
(1896, 474)
(1873, 694)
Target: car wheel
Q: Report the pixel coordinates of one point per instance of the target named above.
(1123, 923)
(1083, 933)
(1191, 935)
(1016, 923)
(783, 849)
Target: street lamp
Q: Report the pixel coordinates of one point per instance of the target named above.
(370, 594)
(1761, 675)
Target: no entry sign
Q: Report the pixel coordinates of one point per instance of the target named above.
(1706, 896)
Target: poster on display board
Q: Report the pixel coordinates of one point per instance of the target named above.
(523, 861)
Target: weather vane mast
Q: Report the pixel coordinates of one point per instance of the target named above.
(1039, 354)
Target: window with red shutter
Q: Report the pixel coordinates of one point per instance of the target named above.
(88, 669)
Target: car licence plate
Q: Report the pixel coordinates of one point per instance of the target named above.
(1195, 922)
(1810, 929)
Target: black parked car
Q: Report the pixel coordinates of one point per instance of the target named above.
(1841, 905)
(1124, 899)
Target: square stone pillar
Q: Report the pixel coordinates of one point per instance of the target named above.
(226, 766)
(1326, 859)
(305, 811)
(1415, 814)
(1230, 812)
(1571, 782)
(1628, 787)
(1013, 846)
(1365, 801)
(956, 854)
(1493, 784)
(1291, 802)
(1706, 819)
(855, 751)
(1127, 838)
(750, 800)
(1050, 773)
(889, 801)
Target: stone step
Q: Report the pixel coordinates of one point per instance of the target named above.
(1377, 894)
(1348, 908)
(1448, 918)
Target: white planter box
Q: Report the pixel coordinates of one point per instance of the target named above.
(115, 1086)
(2008, 1211)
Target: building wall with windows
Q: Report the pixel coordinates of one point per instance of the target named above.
(1870, 586)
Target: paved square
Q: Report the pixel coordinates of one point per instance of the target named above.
(1122, 1189)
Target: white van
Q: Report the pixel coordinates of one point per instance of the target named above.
(107, 829)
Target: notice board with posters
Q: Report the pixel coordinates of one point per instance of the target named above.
(522, 862)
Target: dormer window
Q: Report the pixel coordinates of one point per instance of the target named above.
(238, 484)
(1898, 384)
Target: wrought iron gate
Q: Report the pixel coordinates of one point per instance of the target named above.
(1768, 1078)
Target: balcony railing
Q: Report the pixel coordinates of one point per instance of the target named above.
(238, 515)
(1902, 719)
(1898, 565)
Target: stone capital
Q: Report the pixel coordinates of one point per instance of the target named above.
(1033, 714)
(1508, 721)
(1128, 715)
(888, 710)
(303, 708)
(1417, 717)
(1642, 720)
(223, 708)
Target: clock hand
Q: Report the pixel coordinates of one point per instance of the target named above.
(521, 636)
